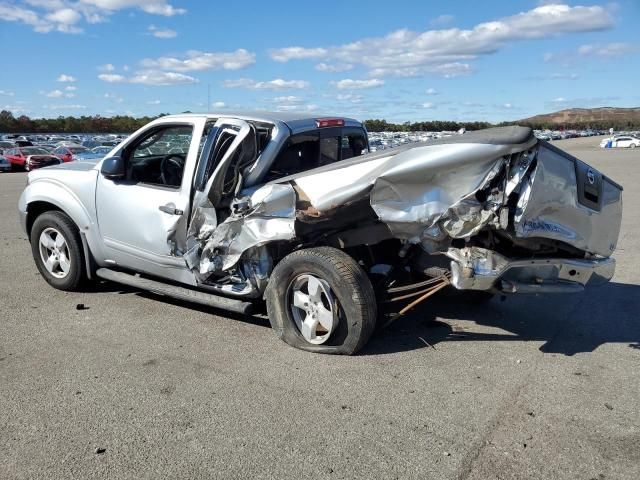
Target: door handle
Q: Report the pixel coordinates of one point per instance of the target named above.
(170, 209)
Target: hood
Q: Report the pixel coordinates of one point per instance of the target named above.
(79, 165)
(57, 170)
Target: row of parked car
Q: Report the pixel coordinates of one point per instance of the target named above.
(550, 135)
(31, 152)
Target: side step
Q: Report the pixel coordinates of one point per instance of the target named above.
(181, 293)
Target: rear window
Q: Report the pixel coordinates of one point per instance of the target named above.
(306, 151)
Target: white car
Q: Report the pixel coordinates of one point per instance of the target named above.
(625, 141)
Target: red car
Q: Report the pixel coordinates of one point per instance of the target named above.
(67, 154)
(30, 158)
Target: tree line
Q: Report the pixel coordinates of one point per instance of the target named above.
(83, 124)
(125, 124)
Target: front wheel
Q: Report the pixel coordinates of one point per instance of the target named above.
(320, 300)
(57, 250)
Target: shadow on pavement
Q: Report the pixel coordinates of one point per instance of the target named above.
(567, 324)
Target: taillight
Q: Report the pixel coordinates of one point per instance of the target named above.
(329, 122)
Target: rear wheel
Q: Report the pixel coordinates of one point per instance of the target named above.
(57, 250)
(320, 300)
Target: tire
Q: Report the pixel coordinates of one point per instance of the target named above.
(345, 291)
(633, 145)
(53, 225)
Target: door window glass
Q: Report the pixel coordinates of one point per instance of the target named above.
(159, 158)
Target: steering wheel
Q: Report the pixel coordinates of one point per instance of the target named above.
(171, 169)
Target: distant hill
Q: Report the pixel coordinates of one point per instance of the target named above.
(603, 117)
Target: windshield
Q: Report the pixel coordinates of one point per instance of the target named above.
(78, 149)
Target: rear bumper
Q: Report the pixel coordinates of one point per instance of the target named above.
(480, 269)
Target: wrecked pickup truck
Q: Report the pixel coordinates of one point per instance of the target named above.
(231, 210)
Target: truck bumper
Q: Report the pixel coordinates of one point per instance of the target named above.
(481, 269)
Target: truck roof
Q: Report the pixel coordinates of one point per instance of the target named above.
(296, 121)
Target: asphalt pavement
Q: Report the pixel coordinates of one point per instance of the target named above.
(134, 385)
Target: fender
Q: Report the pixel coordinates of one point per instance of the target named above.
(80, 210)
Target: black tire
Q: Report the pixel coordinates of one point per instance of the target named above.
(349, 284)
(77, 270)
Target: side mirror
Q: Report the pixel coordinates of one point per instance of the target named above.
(113, 168)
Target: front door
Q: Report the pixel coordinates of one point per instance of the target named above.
(143, 217)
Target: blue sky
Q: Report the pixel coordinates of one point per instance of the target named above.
(402, 61)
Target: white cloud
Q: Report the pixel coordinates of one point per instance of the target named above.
(427, 105)
(164, 33)
(348, 83)
(107, 67)
(334, 68)
(113, 97)
(219, 105)
(289, 99)
(64, 16)
(609, 50)
(446, 52)
(153, 102)
(194, 61)
(349, 97)
(155, 7)
(154, 77)
(66, 78)
(54, 94)
(564, 76)
(150, 76)
(65, 107)
(16, 109)
(112, 78)
(590, 102)
(277, 84)
(588, 51)
(6, 93)
(296, 53)
(70, 88)
(431, 91)
(507, 105)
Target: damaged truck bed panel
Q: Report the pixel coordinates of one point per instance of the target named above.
(500, 180)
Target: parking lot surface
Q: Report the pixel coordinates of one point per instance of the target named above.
(139, 386)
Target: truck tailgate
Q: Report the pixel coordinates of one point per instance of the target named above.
(569, 201)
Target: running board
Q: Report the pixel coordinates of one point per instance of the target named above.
(181, 293)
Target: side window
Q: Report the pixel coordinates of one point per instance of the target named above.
(301, 153)
(353, 145)
(329, 151)
(160, 156)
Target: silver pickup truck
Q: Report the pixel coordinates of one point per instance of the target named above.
(231, 210)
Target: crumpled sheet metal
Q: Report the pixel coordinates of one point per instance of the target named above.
(270, 217)
(549, 207)
(412, 190)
